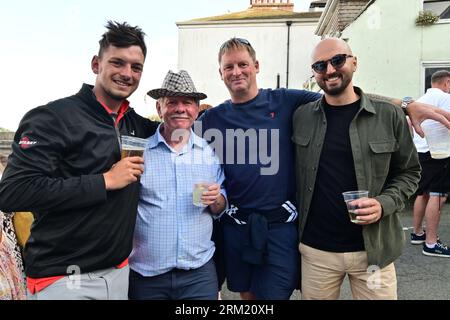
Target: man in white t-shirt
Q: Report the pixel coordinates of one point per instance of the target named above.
(435, 181)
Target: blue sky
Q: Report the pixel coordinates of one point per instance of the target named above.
(47, 45)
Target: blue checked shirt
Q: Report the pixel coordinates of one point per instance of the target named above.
(170, 231)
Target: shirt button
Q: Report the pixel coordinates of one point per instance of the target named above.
(310, 189)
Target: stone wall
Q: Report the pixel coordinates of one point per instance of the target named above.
(6, 139)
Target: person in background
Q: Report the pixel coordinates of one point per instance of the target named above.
(435, 179)
(202, 109)
(12, 284)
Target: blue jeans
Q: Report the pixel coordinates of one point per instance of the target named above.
(196, 284)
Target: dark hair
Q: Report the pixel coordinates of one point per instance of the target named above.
(439, 76)
(237, 44)
(122, 35)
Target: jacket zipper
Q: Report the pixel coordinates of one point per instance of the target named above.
(116, 129)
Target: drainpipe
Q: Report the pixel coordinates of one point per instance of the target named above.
(288, 23)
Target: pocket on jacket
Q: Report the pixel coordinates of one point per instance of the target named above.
(302, 141)
(301, 149)
(381, 156)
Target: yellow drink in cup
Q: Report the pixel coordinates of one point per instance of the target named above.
(197, 193)
(132, 147)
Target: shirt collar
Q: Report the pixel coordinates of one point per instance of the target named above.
(122, 110)
(366, 104)
(434, 90)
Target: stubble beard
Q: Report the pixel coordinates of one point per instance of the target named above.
(337, 90)
(119, 95)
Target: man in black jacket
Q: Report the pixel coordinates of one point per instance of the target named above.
(66, 169)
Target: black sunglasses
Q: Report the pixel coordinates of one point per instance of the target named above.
(337, 62)
(240, 40)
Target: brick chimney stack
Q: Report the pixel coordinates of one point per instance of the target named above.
(273, 4)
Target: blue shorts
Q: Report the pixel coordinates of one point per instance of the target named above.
(275, 280)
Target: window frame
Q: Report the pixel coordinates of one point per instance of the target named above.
(438, 65)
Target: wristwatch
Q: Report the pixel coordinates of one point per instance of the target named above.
(406, 101)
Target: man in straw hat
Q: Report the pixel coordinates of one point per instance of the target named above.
(173, 235)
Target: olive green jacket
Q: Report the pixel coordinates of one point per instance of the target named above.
(386, 164)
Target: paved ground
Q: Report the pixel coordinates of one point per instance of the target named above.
(419, 277)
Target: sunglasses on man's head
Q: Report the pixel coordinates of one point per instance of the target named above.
(240, 40)
(243, 41)
(337, 62)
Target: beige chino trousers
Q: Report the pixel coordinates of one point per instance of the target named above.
(323, 274)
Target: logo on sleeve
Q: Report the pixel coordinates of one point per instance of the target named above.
(25, 143)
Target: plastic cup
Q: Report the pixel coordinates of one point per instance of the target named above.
(350, 196)
(197, 191)
(438, 139)
(132, 146)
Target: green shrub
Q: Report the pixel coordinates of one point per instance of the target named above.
(426, 18)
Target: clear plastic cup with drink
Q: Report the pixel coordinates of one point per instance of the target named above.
(199, 187)
(351, 196)
(132, 146)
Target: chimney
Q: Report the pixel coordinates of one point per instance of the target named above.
(317, 6)
(272, 4)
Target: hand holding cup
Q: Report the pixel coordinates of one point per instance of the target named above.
(362, 210)
(123, 173)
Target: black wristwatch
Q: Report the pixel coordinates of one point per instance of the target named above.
(406, 101)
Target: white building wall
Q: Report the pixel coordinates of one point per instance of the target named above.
(199, 46)
(303, 41)
(391, 49)
(388, 48)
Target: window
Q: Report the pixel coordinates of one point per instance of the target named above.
(439, 7)
(430, 68)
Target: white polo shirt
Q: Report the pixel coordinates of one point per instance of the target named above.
(435, 97)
